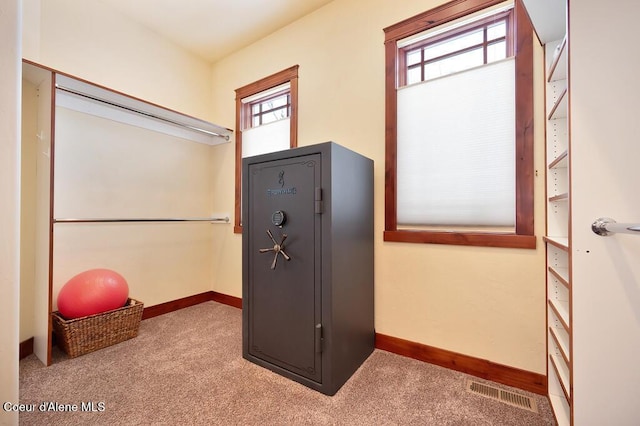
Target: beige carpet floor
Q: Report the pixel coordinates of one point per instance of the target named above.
(186, 368)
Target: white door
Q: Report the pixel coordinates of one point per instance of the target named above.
(605, 181)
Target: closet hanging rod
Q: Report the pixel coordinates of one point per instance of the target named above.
(605, 226)
(136, 220)
(137, 111)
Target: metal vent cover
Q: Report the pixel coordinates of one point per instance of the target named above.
(507, 397)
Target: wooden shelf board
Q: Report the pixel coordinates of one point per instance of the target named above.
(561, 311)
(559, 109)
(560, 197)
(560, 161)
(561, 337)
(562, 274)
(564, 381)
(558, 68)
(560, 242)
(561, 409)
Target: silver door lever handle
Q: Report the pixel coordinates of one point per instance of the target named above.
(605, 226)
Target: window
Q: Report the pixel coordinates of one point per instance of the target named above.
(266, 121)
(271, 108)
(459, 114)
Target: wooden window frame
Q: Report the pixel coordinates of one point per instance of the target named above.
(483, 24)
(524, 236)
(289, 75)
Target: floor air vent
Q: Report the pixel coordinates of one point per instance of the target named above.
(510, 398)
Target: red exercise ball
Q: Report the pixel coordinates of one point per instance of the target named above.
(92, 292)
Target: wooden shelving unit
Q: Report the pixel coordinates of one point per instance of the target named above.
(558, 239)
(593, 333)
(549, 18)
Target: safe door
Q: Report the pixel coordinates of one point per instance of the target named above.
(283, 228)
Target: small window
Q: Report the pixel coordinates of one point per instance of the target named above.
(266, 121)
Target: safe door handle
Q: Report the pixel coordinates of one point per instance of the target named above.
(278, 248)
(318, 338)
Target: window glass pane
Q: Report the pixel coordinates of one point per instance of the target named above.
(453, 64)
(453, 44)
(268, 111)
(413, 57)
(275, 115)
(275, 103)
(269, 118)
(414, 75)
(495, 31)
(496, 51)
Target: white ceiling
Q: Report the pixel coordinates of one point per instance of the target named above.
(213, 29)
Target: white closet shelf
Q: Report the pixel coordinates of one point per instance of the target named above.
(550, 20)
(102, 102)
(558, 68)
(559, 242)
(559, 108)
(560, 408)
(562, 374)
(548, 17)
(561, 339)
(560, 197)
(561, 311)
(562, 274)
(560, 162)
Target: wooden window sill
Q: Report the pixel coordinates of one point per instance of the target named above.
(480, 239)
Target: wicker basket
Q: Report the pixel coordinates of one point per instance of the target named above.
(80, 336)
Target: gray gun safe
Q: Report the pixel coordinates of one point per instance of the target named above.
(307, 264)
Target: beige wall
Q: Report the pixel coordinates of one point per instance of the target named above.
(484, 302)
(109, 169)
(10, 46)
(90, 41)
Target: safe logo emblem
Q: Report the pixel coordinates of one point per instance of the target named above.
(282, 190)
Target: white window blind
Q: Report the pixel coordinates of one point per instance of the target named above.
(456, 149)
(267, 93)
(266, 138)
